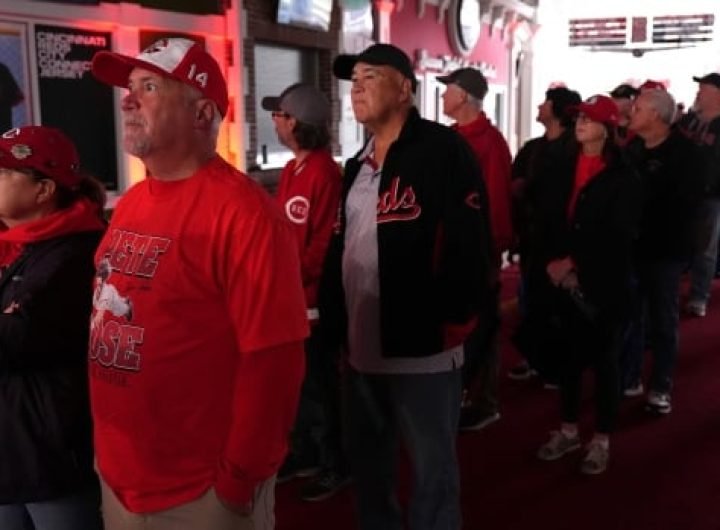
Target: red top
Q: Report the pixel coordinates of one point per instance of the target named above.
(309, 194)
(587, 167)
(196, 355)
(495, 160)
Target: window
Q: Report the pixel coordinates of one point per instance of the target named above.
(276, 68)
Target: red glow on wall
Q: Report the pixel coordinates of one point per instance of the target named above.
(412, 33)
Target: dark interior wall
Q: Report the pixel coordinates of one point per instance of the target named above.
(262, 27)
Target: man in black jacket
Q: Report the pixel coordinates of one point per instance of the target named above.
(671, 176)
(703, 127)
(405, 278)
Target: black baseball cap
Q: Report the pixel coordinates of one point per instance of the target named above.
(624, 91)
(470, 80)
(378, 55)
(709, 79)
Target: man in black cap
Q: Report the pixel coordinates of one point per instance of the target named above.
(403, 284)
(703, 127)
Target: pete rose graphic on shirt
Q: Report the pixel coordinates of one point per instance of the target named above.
(114, 339)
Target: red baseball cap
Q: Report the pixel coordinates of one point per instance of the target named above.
(181, 59)
(600, 108)
(651, 84)
(43, 149)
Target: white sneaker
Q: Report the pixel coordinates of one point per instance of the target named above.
(635, 390)
(696, 309)
(659, 402)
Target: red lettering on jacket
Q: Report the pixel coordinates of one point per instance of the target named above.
(396, 205)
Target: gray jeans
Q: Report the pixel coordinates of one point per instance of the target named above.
(704, 260)
(205, 513)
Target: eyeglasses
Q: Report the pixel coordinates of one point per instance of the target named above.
(280, 114)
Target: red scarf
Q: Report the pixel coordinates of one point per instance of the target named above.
(586, 169)
(82, 216)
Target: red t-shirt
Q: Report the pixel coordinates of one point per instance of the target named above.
(587, 167)
(309, 194)
(195, 364)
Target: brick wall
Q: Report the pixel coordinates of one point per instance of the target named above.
(261, 27)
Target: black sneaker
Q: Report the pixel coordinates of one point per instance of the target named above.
(295, 467)
(324, 485)
(475, 420)
(521, 372)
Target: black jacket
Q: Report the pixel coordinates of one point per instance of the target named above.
(673, 187)
(602, 233)
(45, 440)
(706, 135)
(548, 168)
(433, 264)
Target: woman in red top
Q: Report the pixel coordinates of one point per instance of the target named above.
(593, 276)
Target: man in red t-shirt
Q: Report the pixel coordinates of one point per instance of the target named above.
(309, 194)
(194, 390)
(462, 101)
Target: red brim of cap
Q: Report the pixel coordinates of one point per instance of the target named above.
(591, 112)
(114, 69)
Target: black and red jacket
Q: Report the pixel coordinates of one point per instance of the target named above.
(434, 243)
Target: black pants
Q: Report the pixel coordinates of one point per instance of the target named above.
(599, 350)
(317, 434)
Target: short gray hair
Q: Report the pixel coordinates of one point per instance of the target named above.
(474, 102)
(662, 102)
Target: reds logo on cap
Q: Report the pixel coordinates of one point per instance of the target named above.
(297, 209)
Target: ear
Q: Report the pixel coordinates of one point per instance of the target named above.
(45, 190)
(406, 93)
(204, 113)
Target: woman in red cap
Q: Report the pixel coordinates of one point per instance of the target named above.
(52, 222)
(592, 275)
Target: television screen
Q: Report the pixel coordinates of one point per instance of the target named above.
(312, 14)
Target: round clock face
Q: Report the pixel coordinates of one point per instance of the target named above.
(465, 25)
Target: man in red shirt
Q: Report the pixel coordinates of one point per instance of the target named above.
(195, 390)
(309, 194)
(462, 101)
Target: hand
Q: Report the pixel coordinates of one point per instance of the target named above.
(558, 270)
(570, 282)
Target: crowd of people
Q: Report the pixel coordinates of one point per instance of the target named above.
(235, 340)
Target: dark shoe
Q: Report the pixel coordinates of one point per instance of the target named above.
(475, 420)
(521, 372)
(324, 485)
(296, 467)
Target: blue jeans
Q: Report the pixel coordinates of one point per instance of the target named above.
(660, 292)
(707, 233)
(423, 410)
(633, 348)
(74, 512)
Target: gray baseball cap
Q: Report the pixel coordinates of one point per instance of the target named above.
(470, 80)
(303, 102)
